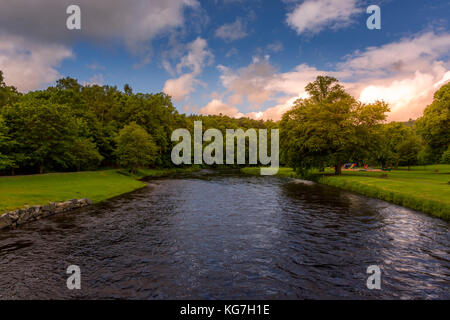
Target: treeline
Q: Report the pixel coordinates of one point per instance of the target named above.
(331, 128)
(70, 127)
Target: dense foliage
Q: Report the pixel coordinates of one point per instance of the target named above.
(70, 127)
(330, 127)
(135, 147)
(434, 126)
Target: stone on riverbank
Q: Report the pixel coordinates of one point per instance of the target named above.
(20, 216)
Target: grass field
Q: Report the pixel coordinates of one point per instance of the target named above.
(425, 189)
(17, 192)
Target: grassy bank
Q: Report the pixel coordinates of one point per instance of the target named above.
(425, 189)
(17, 192)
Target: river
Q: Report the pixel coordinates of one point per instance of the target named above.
(223, 235)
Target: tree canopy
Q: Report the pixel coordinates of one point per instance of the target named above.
(330, 127)
(135, 147)
(434, 126)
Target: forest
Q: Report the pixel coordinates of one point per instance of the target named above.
(75, 127)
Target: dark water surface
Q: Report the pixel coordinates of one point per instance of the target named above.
(228, 236)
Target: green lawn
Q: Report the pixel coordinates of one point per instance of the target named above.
(424, 189)
(16, 192)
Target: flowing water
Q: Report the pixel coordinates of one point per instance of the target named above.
(215, 235)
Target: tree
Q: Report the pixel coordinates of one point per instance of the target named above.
(409, 150)
(434, 126)
(44, 132)
(392, 135)
(330, 127)
(135, 147)
(84, 154)
(5, 143)
(425, 156)
(8, 94)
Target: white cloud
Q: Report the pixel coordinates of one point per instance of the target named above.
(312, 16)
(29, 65)
(405, 56)
(232, 31)
(407, 97)
(180, 87)
(197, 57)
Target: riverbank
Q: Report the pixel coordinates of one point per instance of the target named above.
(33, 190)
(425, 189)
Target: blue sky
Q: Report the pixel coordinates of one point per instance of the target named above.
(236, 57)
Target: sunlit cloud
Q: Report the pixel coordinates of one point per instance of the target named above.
(197, 57)
(29, 65)
(405, 74)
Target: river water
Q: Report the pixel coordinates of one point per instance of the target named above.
(222, 235)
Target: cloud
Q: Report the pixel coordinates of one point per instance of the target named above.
(249, 82)
(197, 57)
(405, 56)
(35, 40)
(233, 51)
(407, 96)
(312, 16)
(95, 66)
(218, 107)
(133, 21)
(97, 79)
(232, 31)
(405, 74)
(29, 65)
(180, 87)
(276, 46)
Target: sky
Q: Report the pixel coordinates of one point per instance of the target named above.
(236, 57)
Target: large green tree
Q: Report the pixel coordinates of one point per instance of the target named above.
(84, 154)
(135, 147)
(43, 131)
(409, 150)
(391, 136)
(330, 127)
(434, 126)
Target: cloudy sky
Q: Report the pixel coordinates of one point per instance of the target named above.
(236, 57)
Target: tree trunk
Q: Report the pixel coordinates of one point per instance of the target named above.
(12, 172)
(41, 169)
(338, 169)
